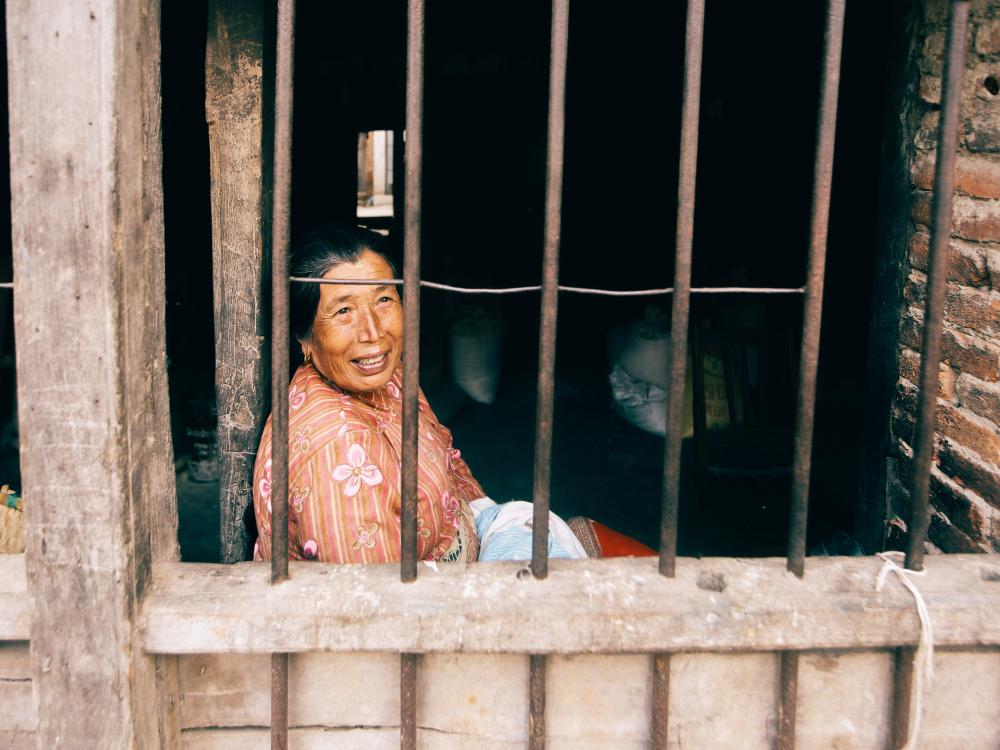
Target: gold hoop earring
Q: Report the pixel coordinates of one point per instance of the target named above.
(309, 358)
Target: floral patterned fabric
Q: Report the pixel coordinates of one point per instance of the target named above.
(344, 476)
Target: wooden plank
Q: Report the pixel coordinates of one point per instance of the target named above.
(595, 702)
(612, 606)
(15, 609)
(723, 700)
(88, 258)
(234, 106)
(480, 701)
(18, 715)
(961, 706)
(843, 700)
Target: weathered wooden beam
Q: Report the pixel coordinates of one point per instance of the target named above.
(238, 136)
(611, 606)
(88, 264)
(15, 612)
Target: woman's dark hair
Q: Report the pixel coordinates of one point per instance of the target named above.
(315, 253)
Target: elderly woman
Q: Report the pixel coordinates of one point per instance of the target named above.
(345, 422)
(345, 436)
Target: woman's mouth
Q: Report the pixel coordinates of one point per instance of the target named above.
(372, 365)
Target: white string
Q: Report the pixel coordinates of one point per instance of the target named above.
(923, 659)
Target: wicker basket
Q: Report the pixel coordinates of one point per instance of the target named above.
(11, 522)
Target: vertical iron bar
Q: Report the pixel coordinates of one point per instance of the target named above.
(408, 701)
(930, 358)
(411, 282)
(902, 694)
(812, 314)
(680, 306)
(279, 701)
(661, 701)
(789, 688)
(536, 701)
(281, 228)
(550, 289)
(937, 276)
(413, 186)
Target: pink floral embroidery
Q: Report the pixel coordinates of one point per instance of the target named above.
(298, 498)
(365, 537)
(451, 508)
(380, 424)
(393, 390)
(296, 397)
(309, 548)
(265, 483)
(357, 470)
(300, 440)
(421, 530)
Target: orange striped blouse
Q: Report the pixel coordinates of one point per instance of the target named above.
(344, 475)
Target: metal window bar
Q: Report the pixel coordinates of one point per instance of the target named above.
(833, 38)
(550, 288)
(680, 307)
(937, 276)
(281, 228)
(413, 161)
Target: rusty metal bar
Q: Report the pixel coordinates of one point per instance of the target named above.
(411, 280)
(408, 701)
(937, 276)
(279, 701)
(661, 701)
(833, 38)
(680, 306)
(902, 693)
(536, 701)
(789, 687)
(281, 228)
(550, 289)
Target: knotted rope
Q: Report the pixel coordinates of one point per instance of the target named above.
(923, 659)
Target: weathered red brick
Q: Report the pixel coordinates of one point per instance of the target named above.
(976, 176)
(961, 510)
(975, 309)
(979, 397)
(988, 36)
(967, 470)
(981, 127)
(911, 330)
(963, 428)
(909, 368)
(970, 354)
(949, 538)
(920, 208)
(967, 263)
(993, 266)
(975, 219)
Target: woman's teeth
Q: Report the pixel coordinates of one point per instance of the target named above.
(371, 361)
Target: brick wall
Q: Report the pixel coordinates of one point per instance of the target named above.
(965, 480)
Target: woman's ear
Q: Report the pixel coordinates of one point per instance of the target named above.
(307, 352)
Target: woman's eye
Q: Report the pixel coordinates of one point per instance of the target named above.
(385, 299)
(343, 311)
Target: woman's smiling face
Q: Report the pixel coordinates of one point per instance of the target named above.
(357, 334)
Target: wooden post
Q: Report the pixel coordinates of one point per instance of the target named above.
(239, 134)
(96, 458)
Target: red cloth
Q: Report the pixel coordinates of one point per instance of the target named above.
(616, 544)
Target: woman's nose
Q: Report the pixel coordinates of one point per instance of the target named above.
(371, 327)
